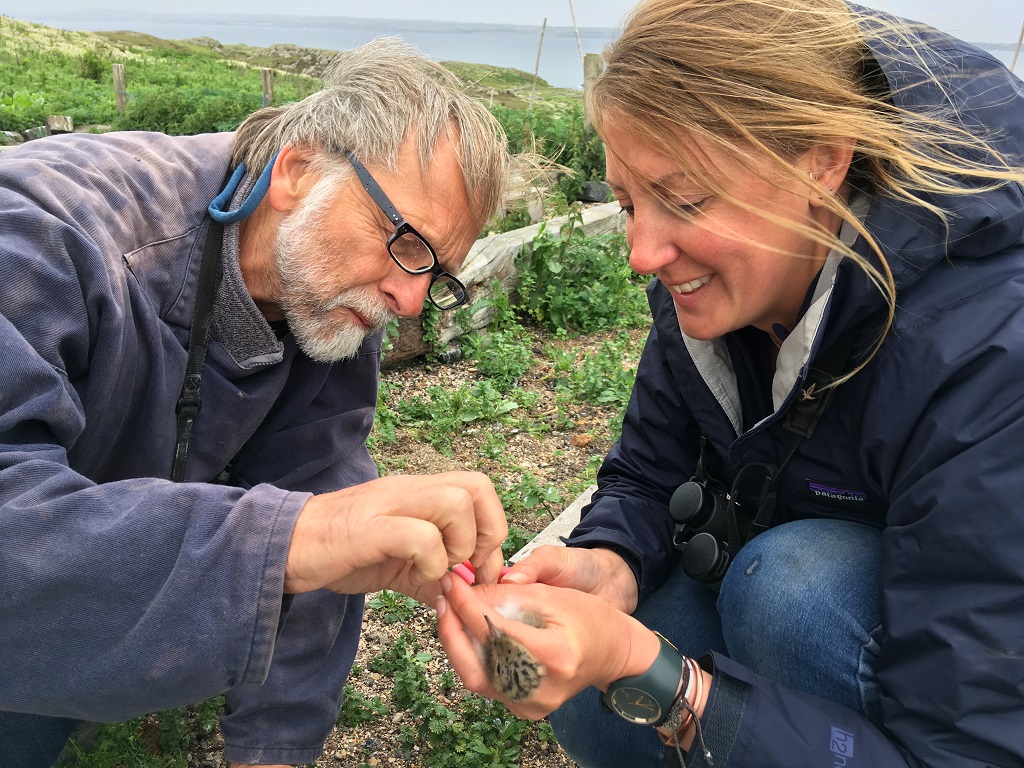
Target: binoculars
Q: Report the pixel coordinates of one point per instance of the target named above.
(701, 511)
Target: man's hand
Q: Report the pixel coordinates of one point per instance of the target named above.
(600, 572)
(400, 533)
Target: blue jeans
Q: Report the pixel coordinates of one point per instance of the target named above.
(32, 741)
(799, 605)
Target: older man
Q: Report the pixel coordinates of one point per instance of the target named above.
(190, 331)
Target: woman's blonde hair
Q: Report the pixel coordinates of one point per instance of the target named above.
(775, 78)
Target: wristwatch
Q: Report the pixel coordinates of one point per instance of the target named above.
(647, 699)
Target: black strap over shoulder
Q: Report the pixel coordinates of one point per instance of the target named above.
(202, 313)
(798, 423)
(802, 418)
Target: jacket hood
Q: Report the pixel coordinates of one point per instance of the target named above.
(947, 76)
(944, 76)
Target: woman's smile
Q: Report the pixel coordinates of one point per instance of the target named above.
(692, 286)
(739, 258)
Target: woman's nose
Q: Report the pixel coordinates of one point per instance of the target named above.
(651, 246)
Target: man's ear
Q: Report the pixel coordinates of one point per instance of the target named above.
(829, 163)
(290, 179)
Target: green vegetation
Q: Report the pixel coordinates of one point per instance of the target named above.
(392, 607)
(568, 284)
(556, 130)
(480, 733)
(177, 88)
(198, 86)
(161, 740)
(579, 283)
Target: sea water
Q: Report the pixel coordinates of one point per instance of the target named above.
(561, 63)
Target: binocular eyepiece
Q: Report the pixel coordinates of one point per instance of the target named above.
(702, 528)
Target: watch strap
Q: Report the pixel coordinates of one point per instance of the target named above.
(660, 681)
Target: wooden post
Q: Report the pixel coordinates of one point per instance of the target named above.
(120, 94)
(577, 30)
(592, 66)
(268, 87)
(536, 69)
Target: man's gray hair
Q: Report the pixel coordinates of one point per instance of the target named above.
(374, 98)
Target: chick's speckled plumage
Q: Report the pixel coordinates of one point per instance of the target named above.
(513, 670)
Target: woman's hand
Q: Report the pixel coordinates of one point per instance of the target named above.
(599, 572)
(584, 640)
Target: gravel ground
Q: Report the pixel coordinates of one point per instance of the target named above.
(564, 456)
(559, 444)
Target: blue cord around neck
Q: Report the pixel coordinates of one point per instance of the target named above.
(259, 190)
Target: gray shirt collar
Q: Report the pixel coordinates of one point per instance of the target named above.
(237, 322)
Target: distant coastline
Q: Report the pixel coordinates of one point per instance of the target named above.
(333, 21)
(503, 45)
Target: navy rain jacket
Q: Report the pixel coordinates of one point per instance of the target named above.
(926, 443)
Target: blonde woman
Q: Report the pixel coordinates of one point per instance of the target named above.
(817, 496)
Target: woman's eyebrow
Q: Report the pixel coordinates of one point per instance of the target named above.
(662, 183)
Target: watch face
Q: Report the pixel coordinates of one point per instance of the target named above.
(635, 705)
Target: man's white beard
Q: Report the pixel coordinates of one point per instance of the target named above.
(304, 263)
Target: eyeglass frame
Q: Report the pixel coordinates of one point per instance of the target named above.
(402, 228)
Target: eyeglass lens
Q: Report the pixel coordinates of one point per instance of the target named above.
(412, 253)
(446, 292)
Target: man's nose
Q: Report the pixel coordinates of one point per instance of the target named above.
(405, 293)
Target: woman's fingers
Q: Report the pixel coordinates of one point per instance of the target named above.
(598, 571)
(543, 565)
(462, 643)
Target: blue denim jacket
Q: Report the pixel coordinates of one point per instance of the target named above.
(120, 591)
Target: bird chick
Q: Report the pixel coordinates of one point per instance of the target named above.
(512, 669)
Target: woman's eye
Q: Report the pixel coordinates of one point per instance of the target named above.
(691, 207)
(626, 209)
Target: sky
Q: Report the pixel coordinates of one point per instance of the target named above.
(996, 21)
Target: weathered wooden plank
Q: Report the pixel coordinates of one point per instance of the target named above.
(60, 124)
(490, 258)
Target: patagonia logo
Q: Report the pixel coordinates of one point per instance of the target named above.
(836, 494)
(842, 747)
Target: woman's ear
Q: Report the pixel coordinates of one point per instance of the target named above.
(290, 179)
(829, 163)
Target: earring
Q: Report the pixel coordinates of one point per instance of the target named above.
(815, 180)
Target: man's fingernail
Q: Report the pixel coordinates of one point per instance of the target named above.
(441, 606)
(446, 583)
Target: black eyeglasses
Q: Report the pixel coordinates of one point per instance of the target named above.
(410, 249)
